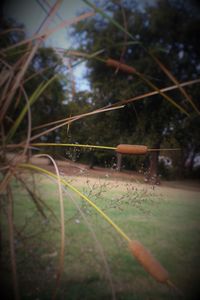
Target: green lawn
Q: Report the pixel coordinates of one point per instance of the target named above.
(165, 220)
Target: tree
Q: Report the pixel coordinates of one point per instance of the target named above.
(168, 30)
(50, 105)
(45, 65)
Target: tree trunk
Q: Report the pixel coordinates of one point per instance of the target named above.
(92, 160)
(188, 162)
(191, 162)
(153, 167)
(119, 162)
(181, 165)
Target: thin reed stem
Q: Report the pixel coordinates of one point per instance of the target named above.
(62, 225)
(84, 197)
(99, 246)
(73, 145)
(74, 119)
(12, 245)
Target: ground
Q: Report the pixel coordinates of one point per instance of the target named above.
(70, 168)
(164, 218)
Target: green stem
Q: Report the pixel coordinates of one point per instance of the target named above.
(65, 183)
(74, 145)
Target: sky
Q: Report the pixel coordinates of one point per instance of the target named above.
(31, 14)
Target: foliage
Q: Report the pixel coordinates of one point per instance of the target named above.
(152, 121)
(44, 65)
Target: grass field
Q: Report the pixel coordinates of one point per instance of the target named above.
(97, 260)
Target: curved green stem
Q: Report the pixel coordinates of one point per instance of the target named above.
(84, 197)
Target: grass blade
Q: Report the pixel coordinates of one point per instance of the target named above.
(85, 198)
(62, 226)
(73, 145)
(18, 78)
(98, 245)
(174, 80)
(42, 36)
(85, 55)
(16, 29)
(33, 196)
(12, 244)
(69, 120)
(166, 97)
(149, 94)
(29, 121)
(118, 25)
(35, 96)
(40, 204)
(131, 70)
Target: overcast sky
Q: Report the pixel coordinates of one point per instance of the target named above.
(32, 12)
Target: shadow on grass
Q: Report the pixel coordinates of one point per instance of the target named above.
(94, 288)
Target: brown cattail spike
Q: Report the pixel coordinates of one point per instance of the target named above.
(149, 262)
(117, 64)
(131, 149)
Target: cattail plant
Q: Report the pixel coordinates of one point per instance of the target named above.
(12, 83)
(143, 255)
(148, 261)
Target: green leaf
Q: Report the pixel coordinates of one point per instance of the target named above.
(34, 97)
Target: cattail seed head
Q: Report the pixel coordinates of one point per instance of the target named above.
(148, 261)
(117, 64)
(131, 149)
